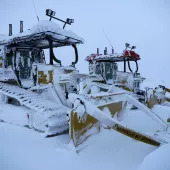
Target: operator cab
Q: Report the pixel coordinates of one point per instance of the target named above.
(106, 66)
(24, 53)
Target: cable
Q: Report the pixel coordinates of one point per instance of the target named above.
(107, 38)
(35, 9)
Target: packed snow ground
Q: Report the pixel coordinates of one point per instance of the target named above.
(158, 160)
(25, 149)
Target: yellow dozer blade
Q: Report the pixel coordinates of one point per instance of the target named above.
(157, 96)
(153, 100)
(82, 127)
(79, 130)
(168, 91)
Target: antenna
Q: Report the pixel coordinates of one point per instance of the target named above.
(35, 9)
(108, 40)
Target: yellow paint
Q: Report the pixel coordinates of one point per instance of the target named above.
(135, 135)
(168, 99)
(79, 128)
(127, 89)
(113, 107)
(68, 71)
(42, 77)
(167, 90)
(153, 100)
(80, 131)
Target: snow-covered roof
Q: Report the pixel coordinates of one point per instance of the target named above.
(131, 55)
(42, 30)
(101, 56)
(3, 38)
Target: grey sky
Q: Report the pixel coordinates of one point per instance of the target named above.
(144, 23)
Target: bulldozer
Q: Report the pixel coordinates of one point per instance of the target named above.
(27, 80)
(54, 99)
(107, 93)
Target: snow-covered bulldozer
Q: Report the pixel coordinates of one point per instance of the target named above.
(53, 98)
(34, 93)
(106, 95)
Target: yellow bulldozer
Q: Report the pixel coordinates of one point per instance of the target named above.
(55, 99)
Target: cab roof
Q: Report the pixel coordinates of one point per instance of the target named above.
(39, 35)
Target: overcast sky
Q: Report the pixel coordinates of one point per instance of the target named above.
(144, 23)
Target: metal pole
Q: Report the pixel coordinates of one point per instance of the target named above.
(106, 50)
(10, 29)
(97, 51)
(21, 26)
(124, 65)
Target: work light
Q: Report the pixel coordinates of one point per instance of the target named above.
(50, 13)
(69, 21)
(133, 47)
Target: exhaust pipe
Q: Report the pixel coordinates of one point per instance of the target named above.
(10, 29)
(105, 51)
(21, 26)
(97, 51)
(112, 51)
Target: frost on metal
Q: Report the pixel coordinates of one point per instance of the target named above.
(48, 28)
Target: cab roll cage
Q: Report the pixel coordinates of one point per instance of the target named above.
(53, 58)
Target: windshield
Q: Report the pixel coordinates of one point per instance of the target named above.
(65, 54)
(108, 70)
(24, 61)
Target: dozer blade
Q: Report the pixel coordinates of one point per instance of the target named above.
(167, 90)
(82, 129)
(136, 135)
(153, 99)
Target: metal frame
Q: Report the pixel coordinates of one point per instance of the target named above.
(116, 59)
(52, 16)
(29, 42)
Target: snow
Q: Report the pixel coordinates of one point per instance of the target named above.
(101, 56)
(7, 74)
(43, 26)
(32, 151)
(163, 111)
(17, 118)
(22, 148)
(3, 37)
(154, 83)
(157, 160)
(147, 111)
(80, 109)
(116, 56)
(105, 94)
(42, 111)
(95, 112)
(167, 95)
(106, 111)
